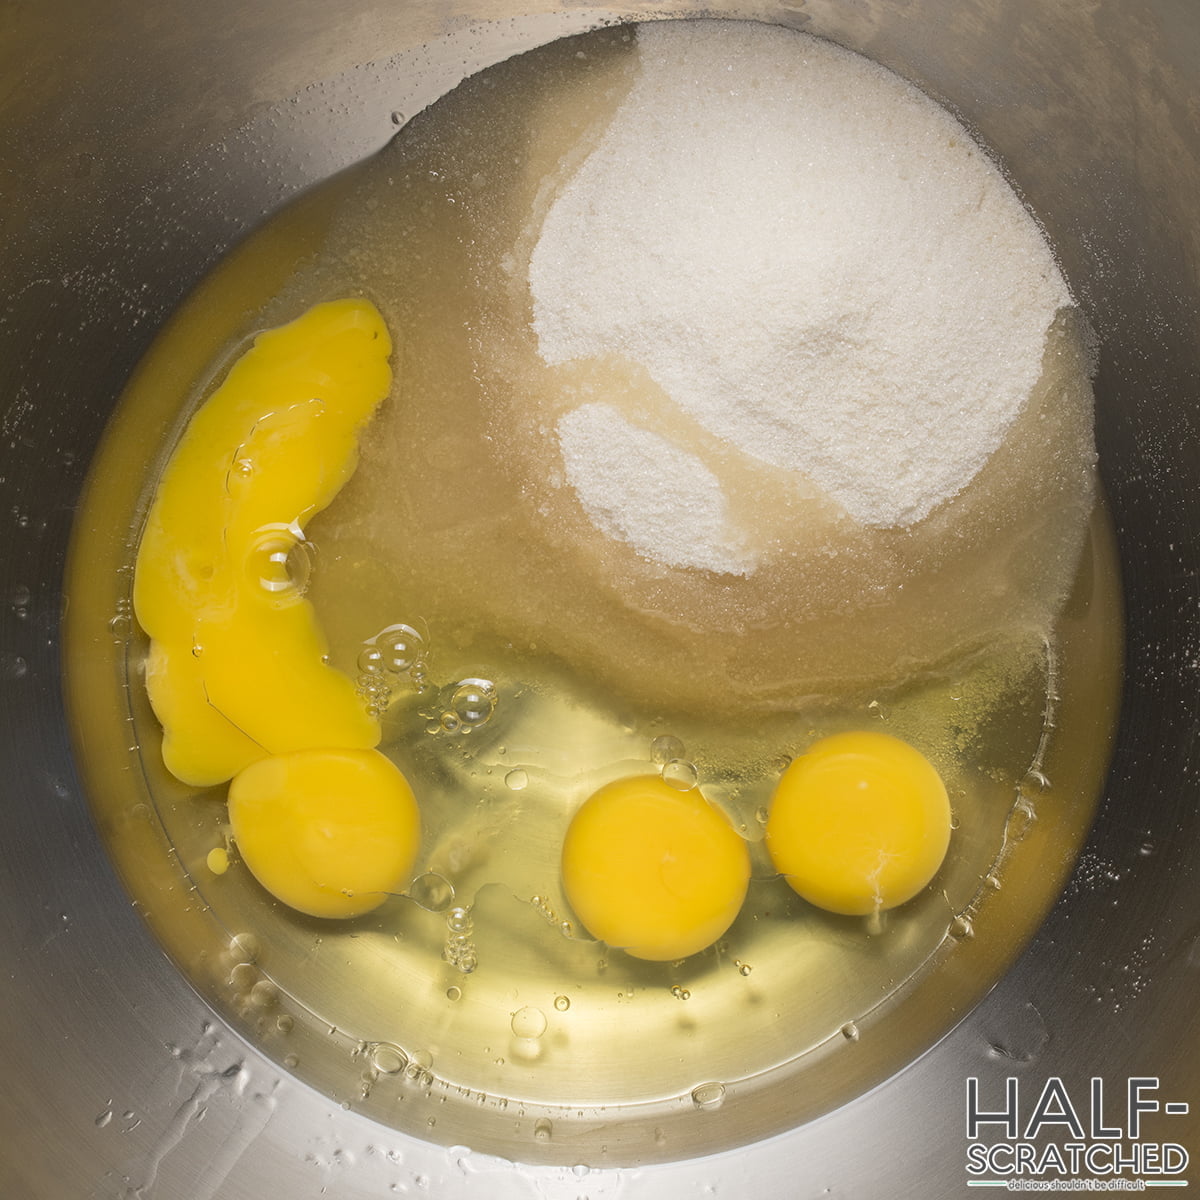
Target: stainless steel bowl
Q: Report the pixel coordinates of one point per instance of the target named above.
(138, 143)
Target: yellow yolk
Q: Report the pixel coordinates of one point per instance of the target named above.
(331, 833)
(652, 870)
(235, 669)
(859, 823)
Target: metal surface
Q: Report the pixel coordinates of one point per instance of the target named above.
(136, 144)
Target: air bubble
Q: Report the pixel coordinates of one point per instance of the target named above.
(543, 1129)
(680, 774)
(681, 993)
(562, 1003)
(243, 948)
(473, 701)
(458, 920)
(528, 1022)
(961, 928)
(370, 661)
(663, 749)
(453, 993)
(281, 561)
(401, 646)
(264, 994)
(432, 892)
(743, 968)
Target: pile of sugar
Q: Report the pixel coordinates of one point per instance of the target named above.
(814, 264)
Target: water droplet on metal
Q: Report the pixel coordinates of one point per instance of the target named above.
(516, 780)
(850, 1031)
(708, 1095)
(13, 666)
(387, 1059)
(961, 928)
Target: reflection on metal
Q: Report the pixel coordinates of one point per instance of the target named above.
(131, 166)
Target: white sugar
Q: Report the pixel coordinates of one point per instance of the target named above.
(638, 486)
(813, 262)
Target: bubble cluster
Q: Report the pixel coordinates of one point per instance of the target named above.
(459, 950)
(394, 652)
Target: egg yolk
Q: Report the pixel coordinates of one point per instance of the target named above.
(655, 871)
(236, 664)
(859, 823)
(331, 833)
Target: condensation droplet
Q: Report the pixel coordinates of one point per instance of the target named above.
(516, 780)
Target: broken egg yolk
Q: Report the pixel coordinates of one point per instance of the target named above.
(652, 870)
(236, 664)
(331, 833)
(859, 823)
(236, 670)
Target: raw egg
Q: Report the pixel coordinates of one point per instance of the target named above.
(859, 823)
(652, 870)
(236, 664)
(331, 833)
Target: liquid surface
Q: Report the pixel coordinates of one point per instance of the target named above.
(523, 662)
